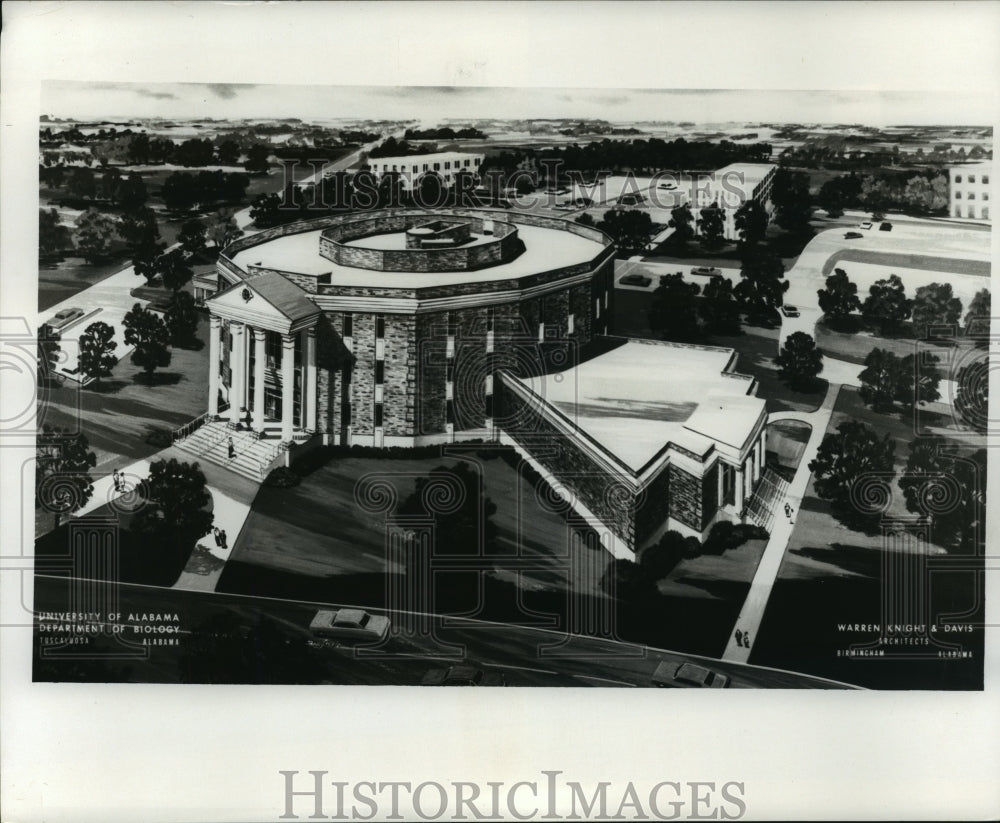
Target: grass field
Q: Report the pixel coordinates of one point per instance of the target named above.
(833, 574)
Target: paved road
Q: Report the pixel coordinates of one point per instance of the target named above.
(528, 657)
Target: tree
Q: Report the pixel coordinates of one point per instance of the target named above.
(151, 338)
(946, 487)
(93, 235)
(844, 457)
(62, 471)
(680, 221)
(138, 149)
(793, 205)
(265, 210)
(139, 228)
(83, 184)
(840, 297)
(972, 393)
(181, 318)
(176, 495)
(111, 182)
(132, 194)
(97, 347)
(179, 191)
(629, 229)
(673, 310)
(887, 305)
(762, 286)
(257, 159)
(174, 270)
(53, 237)
(462, 513)
(718, 308)
(831, 198)
(712, 224)
(223, 229)
(192, 237)
(228, 152)
(49, 352)
(750, 222)
(977, 319)
(935, 305)
(799, 361)
(886, 380)
(585, 219)
(194, 152)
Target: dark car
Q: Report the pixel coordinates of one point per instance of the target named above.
(853, 235)
(885, 227)
(789, 310)
(688, 675)
(463, 675)
(635, 280)
(707, 271)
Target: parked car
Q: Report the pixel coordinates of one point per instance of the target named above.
(866, 225)
(789, 310)
(687, 675)
(63, 318)
(463, 675)
(707, 271)
(885, 226)
(349, 624)
(853, 235)
(635, 280)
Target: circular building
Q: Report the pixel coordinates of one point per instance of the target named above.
(386, 327)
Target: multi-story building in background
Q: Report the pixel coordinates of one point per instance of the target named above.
(969, 191)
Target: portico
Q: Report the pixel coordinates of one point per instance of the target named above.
(262, 355)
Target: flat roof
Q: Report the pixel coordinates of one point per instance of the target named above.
(545, 249)
(396, 241)
(635, 399)
(752, 172)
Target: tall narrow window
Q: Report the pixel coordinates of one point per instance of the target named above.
(378, 415)
(379, 325)
(380, 371)
(348, 325)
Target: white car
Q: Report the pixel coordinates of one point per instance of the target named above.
(349, 624)
(866, 225)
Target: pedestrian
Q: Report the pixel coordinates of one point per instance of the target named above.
(746, 640)
(216, 534)
(739, 638)
(222, 538)
(116, 480)
(247, 420)
(232, 449)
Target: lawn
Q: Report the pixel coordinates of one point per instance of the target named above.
(855, 347)
(118, 415)
(832, 574)
(316, 541)
(921, 262)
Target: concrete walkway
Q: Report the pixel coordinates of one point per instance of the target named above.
(752, 612)
(231, 501)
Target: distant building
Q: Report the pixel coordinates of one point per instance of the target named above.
(411, 168)
(969, 191)
(730, 187)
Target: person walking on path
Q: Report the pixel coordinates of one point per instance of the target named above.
(232, 449)
(116, 479)
(217, 536)
(739, 638)
(222, 539)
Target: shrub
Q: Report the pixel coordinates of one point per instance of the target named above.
(725, 536)
(160, 438)
(283, 478)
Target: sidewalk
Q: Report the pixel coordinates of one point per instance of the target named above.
(752, 612)
(232, 497)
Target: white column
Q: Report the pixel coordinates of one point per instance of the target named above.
(720, 472)
(238, 365)
(740, 491)
(309, 384)
(259, 359)
(214, 325)
(760, 456)
(287, 386)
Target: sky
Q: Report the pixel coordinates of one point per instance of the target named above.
(429, 104)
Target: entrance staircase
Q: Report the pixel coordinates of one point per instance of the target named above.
(210, 442)
(767, 498)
